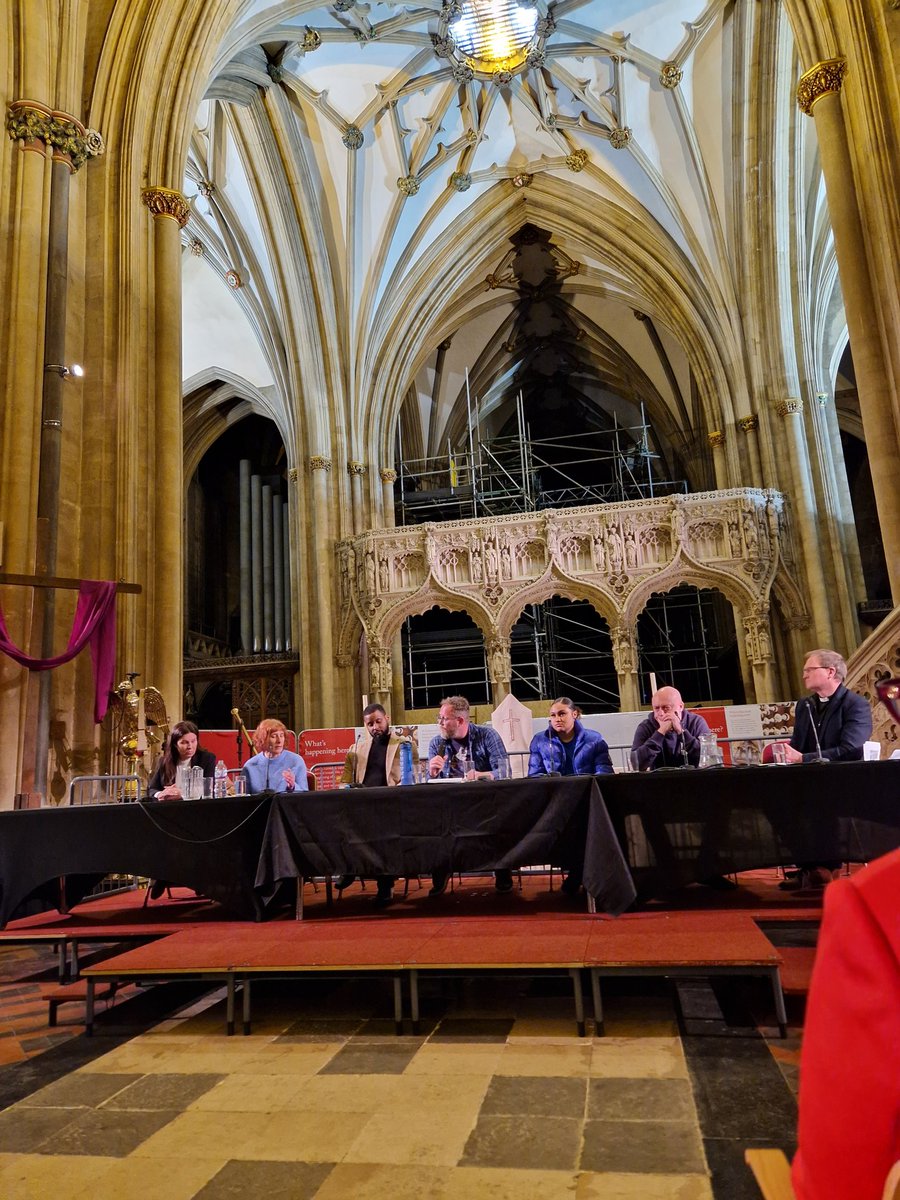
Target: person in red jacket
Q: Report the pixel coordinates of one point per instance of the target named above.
(849, 1126)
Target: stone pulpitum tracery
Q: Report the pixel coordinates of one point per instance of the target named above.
(614, 555)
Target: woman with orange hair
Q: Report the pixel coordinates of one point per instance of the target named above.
(272, 768)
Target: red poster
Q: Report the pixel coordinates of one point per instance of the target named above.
(326, 749)
(715, 719)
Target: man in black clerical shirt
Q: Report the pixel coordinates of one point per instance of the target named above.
(374, 762)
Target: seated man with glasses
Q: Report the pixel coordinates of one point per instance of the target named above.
(465, 750)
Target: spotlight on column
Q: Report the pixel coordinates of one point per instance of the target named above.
(76, 371)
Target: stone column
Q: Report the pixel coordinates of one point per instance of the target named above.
(747, 674)
(278, 571)
(268, 571)
(388, 476)
(848, 550)
(246, 610)
(750, 426)
(165, 604)
(758, 643)
(286, 559)
(357, 471)
(625, 658)
(256, 563)
(322, 567)
(716, 439)
(818, 95)
(791, 410)
(499, 667)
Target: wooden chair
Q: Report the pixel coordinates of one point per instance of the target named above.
(772, 1172)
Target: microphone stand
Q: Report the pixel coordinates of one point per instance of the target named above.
(683, 749)
(820, 757)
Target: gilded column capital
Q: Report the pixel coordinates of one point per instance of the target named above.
(166, 202)
(824, 79)
(356, 468)
(790, 407)
(318, 462)
(293, 475)
(388, 474)
(716, 439)
(749, 424)
(30, 122)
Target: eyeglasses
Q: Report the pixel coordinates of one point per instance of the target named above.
(889, 695)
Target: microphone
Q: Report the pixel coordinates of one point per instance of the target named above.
(820, 757)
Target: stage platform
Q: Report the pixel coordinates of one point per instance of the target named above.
(472, 931)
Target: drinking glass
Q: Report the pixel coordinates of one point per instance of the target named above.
(239, 785)
(634, 760)
(502, 769)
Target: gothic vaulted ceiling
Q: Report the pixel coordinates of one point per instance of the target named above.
(359, 190)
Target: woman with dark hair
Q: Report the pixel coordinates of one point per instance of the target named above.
(182, 750)
(567, 748)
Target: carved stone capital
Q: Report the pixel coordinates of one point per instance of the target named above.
(165, 202)
(749, 424)
(357, 468)
(388, 474)
(31, 123)
(293, 475)
(824, 79)
(318, 462)
(716, 439)
(790, 407)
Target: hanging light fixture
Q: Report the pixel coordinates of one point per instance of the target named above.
(495, 38)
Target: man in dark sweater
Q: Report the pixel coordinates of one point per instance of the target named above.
(671, 737)
(374, 762)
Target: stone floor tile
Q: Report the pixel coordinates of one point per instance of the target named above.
(627, 1186)
(153, 1179)
(497, 1183)
(633, 1058)
(81, 1089)
(369, 1058)
(104, 1132)
(427, 1136)
(642, 1147)
(272, 1180)
(376, 1181)
(473, 1029)
(169, 1093)
(456, 1058)
(251, 1093)
(321, 1029)
(215, 1135)
(529, 1095)
(524, 1142)
(618, 1099)
(22, 1130)
(731, 1177)
(62, 1177)
(520, 1058)
(300, 1136)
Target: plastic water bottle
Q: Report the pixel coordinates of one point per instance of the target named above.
(407, 774)
(221, 788)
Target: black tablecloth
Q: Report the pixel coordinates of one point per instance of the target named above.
(211, 845)
(476, 826)
(681, 826)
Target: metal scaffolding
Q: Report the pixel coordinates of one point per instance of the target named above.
(514, 474)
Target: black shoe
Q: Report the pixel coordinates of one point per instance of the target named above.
(157, 887)
(439, 883)
(384, 897)
(571, 885)
(503, 881)
(719, 883)
(344, 882)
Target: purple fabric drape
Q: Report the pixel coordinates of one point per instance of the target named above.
(94, 626)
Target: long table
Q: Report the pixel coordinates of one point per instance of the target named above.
(211, 845)
(680, 826)
(444, 827)
(654, 831)
(237, 850)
